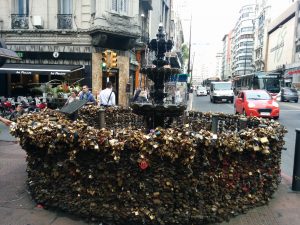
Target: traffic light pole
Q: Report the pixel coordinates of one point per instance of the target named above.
(189, 59)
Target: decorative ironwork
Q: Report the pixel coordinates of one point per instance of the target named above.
(19, 21)
(145, 37)
(64, 21)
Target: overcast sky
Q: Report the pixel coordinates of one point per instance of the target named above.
(211, 20)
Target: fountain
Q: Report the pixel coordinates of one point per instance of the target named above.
(158, 113)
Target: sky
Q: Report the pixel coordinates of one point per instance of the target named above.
(211, 20)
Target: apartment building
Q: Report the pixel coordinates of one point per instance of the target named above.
(243, 41)
(261, 22)
(64, 39)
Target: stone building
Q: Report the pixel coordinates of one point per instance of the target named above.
(64, 39)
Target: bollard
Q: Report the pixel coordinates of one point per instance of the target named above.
(243, 123)
(101, 118)
(214, 124)
(296, 171)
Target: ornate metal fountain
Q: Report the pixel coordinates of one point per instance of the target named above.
(158, 112)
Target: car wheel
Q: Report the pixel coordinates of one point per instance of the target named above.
(236, 112)
(296, 101)
(282, 99)
(276, 117)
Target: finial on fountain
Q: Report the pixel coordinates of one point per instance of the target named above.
(160, 46)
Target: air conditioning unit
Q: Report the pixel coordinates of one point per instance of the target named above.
(37, 21)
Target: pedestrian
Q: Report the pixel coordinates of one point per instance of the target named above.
(19, 111)
(5, 121)
(107, 97)
(73, 97)
(136, 94)
(87, 95)
(178, 98)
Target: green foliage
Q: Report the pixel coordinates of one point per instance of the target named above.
(185, 52)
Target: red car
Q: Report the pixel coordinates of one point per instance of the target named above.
(256, 103)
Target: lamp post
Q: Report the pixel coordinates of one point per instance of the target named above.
(189, 59)
(143, 32)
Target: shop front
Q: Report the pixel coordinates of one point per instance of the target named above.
(38, 68)
(292, 76)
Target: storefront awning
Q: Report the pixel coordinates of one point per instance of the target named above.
(8, 54)
(288, 74)
(31, 69)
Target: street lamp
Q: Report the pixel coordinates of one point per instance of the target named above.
(189, 59)
(143, 35)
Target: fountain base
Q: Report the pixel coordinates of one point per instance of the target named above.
(158, 115)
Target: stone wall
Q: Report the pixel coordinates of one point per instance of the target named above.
(123, 66)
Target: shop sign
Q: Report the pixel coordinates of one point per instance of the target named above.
(294, 72)
(21, 72)
(58, 73)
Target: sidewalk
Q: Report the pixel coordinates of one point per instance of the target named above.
(17, 208)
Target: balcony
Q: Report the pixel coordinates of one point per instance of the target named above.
(19, 21)
(64, 21)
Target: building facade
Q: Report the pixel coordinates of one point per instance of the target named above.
(283, 50)
(227, 57)
(243, 40)
(65, 38)
(261, 23)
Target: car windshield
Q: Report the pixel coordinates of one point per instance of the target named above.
(222, 86)
(258, 96)
(201, 89)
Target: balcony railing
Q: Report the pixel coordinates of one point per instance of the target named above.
(19, 21)
(64, 21)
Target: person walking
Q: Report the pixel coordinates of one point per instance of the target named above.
(107, 97)
(73, 97)
(87, 95)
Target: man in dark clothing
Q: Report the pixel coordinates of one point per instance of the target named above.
(87, 95)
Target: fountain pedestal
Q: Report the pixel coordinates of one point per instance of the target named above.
(158, 113)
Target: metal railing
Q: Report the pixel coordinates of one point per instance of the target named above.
(64, 21)
(19, 21)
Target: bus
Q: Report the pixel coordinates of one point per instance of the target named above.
(206, 83)
(258, 80)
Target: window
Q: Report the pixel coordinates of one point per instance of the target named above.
(21, 7)
(93, 7)
(120, 6)
(64, 17)
(64, 6)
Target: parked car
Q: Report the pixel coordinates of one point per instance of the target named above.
(256, 103)
(288, 94)
(201, 91)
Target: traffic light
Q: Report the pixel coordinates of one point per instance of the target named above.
(105, 59)
(113, 60)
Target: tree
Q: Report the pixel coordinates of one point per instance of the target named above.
(185, 52)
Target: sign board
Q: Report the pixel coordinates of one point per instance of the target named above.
(73, 106)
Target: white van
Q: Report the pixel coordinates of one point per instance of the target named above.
(221, 91)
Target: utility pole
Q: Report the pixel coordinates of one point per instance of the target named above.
(189, 59)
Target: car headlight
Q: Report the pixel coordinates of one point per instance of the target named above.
(251, 105)
(275, 104)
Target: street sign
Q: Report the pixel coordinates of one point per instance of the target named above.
(73, 107)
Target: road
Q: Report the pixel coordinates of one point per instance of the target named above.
(289, 117)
